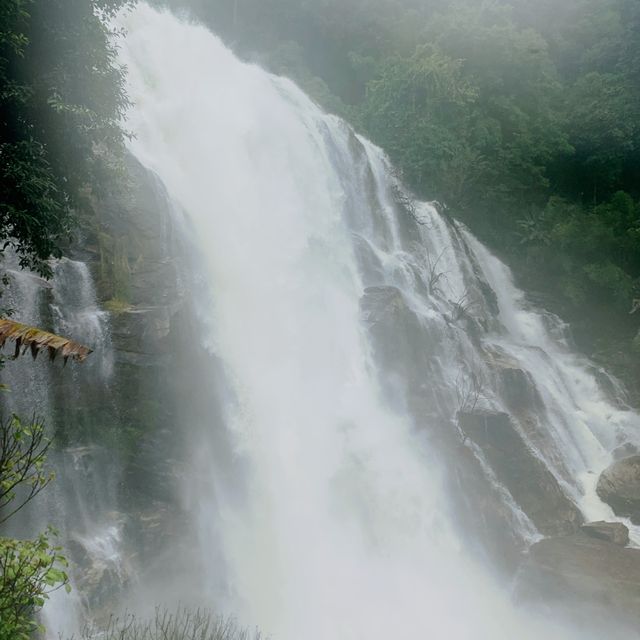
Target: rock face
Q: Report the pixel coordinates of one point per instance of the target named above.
(130, 419)
(619, 486)
(583, 573)
(625, 451)
(515, 385)
(531, 484)
(408, 350)
(396, 330)
(614, 532)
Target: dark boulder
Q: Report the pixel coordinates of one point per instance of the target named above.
(532, 485)
(586, 574)
(619, 486)
(139, 335)
(614, 532)
(400, 341)
(516, 386)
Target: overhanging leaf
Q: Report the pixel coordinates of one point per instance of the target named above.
(34, 339)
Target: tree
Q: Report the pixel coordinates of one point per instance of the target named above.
(590, 254)
(29, 569)
(417, 108)
(61, 100)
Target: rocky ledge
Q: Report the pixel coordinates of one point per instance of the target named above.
(531, 484)
(587, 570)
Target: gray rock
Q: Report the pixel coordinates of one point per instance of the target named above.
(382, 304)
(400, 341)
(582, 572)
(139, 335)
(532, 485)
(625, 451)
(614, 532)
(516, 385)
(619, 486)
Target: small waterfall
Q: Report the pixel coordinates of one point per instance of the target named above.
(579, 422)
(80, 503)
(360, 345)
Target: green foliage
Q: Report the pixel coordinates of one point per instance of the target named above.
(417, 109)
(29, 569)
(515, 124)
(61, 99)
(23, 452)
(589, 253)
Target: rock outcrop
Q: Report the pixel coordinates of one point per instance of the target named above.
(398, 336)
(614, 532)
(531, 484)
(625, 450)
(583, 573)
(514, 383)
(619, 486)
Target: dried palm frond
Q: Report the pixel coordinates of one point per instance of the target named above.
(34, 339)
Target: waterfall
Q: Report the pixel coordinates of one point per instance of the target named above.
(351, 332)
(372, 423)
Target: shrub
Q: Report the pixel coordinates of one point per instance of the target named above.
(183, 624)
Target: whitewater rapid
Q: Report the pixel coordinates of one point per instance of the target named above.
(337, 524)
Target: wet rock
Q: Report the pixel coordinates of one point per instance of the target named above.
(368, 261)
(137, 264)
(153, 528)
(139, 335)
(586, 572)
(400, 341)
(100, 568)
(134, 257)
(625, 451)
(619, 486)
(519, 391)
(482, 512)
(532, 485)
(614, 532)
(382, 304)
(516, 385)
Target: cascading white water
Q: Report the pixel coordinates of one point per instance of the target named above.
(337, 524)
(584, 426)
